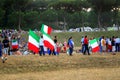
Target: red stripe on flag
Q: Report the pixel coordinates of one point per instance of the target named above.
(96, 49)
(14, 46)
(33, 48)
(48, 45)
(49, 30)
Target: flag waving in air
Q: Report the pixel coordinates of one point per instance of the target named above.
(94, 45)
(48, 42)
(33, 42)
(46, 29)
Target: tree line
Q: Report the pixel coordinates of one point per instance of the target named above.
(60, 14)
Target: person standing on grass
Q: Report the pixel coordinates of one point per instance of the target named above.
(100, 45)
(41, 47)
(117, 42)
(82, 43)
(1, 46)
(6, 45)
(86, 42)
(55, 49)
(71, 46)
(53, 52)
(103, 44)
(109, 45)
(113, 44)
(64, 46)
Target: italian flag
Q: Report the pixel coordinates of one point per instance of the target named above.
(48, 42)
(94, 45)
(14, 44)
(46, 29)
(33, 42)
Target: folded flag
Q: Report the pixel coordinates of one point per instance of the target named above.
(14, 44)
(94, 45)
(46, 29)
(33, 42)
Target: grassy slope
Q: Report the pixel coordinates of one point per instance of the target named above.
(77, 35)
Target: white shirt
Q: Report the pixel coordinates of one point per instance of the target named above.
(41, 42)
(109, 42)
(117, 40)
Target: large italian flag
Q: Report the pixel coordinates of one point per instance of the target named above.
(94, 45)
(48, 42)
(33, 42)
(14, 44)
(46, 29)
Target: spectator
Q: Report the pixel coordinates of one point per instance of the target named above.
(117, 42)
(100, 44)
(6, 46)
(103, 44)
(82, 43)
(71, 46)
(113, 44)
(41, 47)
(86, 45)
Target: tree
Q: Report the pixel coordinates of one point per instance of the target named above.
(115, 11)
(31, 19)
(20, 6)
(2, 12)
(69, 6)
(101, 6)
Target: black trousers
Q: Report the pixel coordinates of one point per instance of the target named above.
(86, 49)
(41, 51)
(117, 47)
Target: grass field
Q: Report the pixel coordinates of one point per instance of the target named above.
(63, 67)
(77, 35)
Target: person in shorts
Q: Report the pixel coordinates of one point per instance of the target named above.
(6, 45)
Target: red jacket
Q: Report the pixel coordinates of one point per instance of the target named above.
(85, 41)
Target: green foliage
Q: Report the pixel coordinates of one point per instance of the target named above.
(31, 19)
(1, 16)
(13, 22)
(59, 14)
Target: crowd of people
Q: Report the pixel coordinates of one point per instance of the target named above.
(105, 44)
(6, 43)
(8, 36)
(21, 48)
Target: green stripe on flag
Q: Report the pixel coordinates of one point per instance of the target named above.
(14, 40)
(35, 36)
(42, 29)
(97, 39)
(93, 41)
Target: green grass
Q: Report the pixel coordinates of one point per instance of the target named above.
(77, 35)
